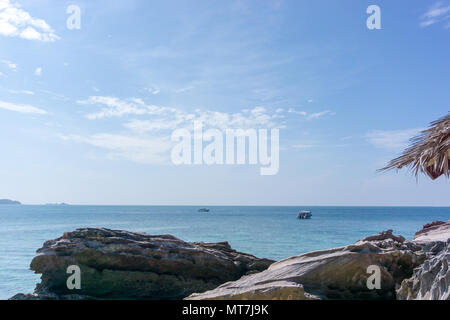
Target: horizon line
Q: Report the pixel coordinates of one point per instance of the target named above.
(62, 204)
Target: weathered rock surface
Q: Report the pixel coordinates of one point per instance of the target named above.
(435, 231)
(430, 280)
(339, 273)
(125, 265)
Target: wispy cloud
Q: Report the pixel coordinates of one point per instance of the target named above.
(27, 92)
(55, 95)
(22, 108)
(115, 107)
(435, 14)
(301, 113)
(312, 116)
(321, 114)
(38, 72)
(16, 22)
(9, 64)
(135, 149)
(395, 140)
(162, 116)
(149, 138)
(185, 89)
(248, 118)
(153, 90)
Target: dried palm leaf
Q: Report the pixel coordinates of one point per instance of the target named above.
(428, 153)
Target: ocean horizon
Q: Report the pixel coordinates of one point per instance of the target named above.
(265, 231)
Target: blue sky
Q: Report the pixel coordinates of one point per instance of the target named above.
(86, 115)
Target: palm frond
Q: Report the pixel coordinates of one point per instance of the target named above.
(428, 153)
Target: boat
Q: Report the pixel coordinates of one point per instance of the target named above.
(203, 210)
(304, 215)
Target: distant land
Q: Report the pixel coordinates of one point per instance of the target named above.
(7, 201)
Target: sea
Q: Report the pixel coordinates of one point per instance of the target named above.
(270, 232)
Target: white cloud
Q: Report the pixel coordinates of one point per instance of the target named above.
(312, 115)
(153, 90)
(138, 101)
(436, 13)
(9, 64)
(301, 113)
(321, 114)
(115, 107)
(55, 95)
(22, 108)
(436, 10)
(257, 117)
(427, 23)
(395, 140)
(136, 149)
(16, 22)
(28, 92)
(150, 131)
(185, 89)
(38, 71)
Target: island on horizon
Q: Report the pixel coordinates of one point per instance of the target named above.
(7, 201)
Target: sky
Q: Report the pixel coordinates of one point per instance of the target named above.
(87, 111)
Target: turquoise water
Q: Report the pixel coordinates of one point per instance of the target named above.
(271, 232)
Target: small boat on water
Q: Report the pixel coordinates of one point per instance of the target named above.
(304, 215)
(203, 210)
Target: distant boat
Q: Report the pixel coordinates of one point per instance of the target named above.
(203, 210)
(304, 215)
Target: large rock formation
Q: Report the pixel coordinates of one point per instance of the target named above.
(340, 273)
(431, 280)
(126, 265)
(417, 269)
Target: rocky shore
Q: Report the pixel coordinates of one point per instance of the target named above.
(125, 265)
